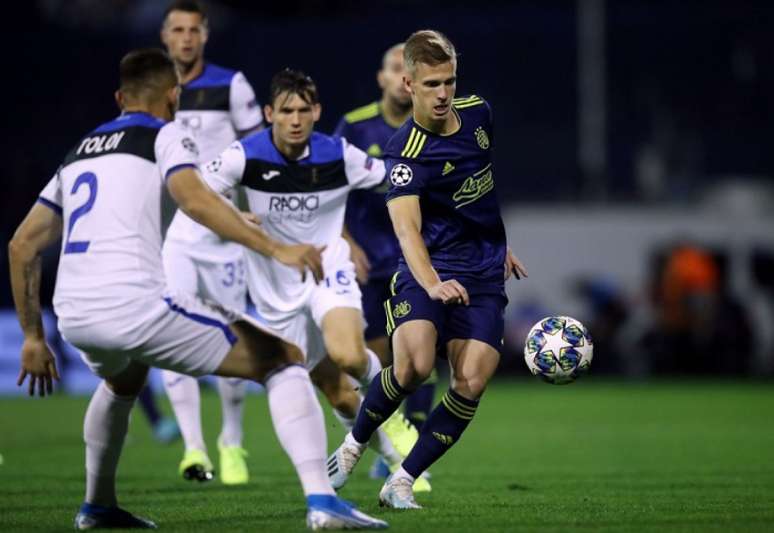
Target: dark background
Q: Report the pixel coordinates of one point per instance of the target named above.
(687, 85)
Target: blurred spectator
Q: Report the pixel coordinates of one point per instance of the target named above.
(698, 326)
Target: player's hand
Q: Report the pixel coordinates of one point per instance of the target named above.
(251, 218)
(449, 292)
(514, 266)
(39, 364)
(303, 257)
(360, 259)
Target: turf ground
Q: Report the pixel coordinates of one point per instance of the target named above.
(593, 456)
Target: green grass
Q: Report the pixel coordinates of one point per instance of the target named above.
(593, 456)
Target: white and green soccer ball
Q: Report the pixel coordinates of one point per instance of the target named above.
(558, 349)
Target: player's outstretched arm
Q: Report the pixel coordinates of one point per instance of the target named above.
(208, 208)
(40, 228)
(407, 222)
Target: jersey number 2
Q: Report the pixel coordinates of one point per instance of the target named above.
(90, 179)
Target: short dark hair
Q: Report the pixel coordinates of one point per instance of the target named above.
(147, 70)
(189, 6)
(293, 82)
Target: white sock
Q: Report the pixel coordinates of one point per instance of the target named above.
(379, 441)
(374, 367)
(104, 431)
(349, 440)
(300, 427)
(402, 473)
(183, 393)
(232, 399)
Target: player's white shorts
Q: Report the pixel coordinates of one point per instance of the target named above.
(303, 327)
(176, 332)
(220, 279)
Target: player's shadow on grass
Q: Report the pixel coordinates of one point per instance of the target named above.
(516, 486)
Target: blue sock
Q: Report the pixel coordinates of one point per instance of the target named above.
(442, 430)
(420, 402)
(382, 399)
(148, 405)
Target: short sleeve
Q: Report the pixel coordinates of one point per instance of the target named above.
(225, 171)
(245, 111)
(363, 171)
(175, 149)
(407, 177)
(51, 195)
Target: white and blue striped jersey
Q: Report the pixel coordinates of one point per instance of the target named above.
(298, 202)
(109, 193)
(214, 108)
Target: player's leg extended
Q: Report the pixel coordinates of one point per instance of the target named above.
(340, 391)
(297, 417)
(182, 275)
(224, 282)
(233, 468)
(104, 431)
(184, 396)
(414, 355)
(472, 363)
(342, 329)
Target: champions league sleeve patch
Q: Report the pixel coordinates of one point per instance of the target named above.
(190, 145)
(401, 174)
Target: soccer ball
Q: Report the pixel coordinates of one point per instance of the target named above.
(558, 349)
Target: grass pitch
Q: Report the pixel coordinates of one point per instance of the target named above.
(593, 456)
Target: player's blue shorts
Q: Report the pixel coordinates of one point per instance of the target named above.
(374, 293)
(482, 320)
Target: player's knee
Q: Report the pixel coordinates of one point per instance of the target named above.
(344, 401)
(350, 357)
(472, 388)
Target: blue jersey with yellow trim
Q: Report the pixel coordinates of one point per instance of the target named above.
(454, 179)
(366, 217)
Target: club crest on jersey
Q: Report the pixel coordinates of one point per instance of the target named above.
(481, 138)
(401, 174)
(402, 309)
(190, 145)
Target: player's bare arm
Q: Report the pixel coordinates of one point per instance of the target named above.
(513, 266)
(407, 222)
(40, 228)
(208, 208)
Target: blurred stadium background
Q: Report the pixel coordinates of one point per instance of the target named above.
(632, 149)
(636, 175)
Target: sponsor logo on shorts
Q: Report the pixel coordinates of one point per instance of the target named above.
(402, 309)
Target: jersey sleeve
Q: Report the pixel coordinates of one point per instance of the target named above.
(245, 111)
(406, 177)
(363, 171)
(225, 171)
(175, 149)
(51, 195)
